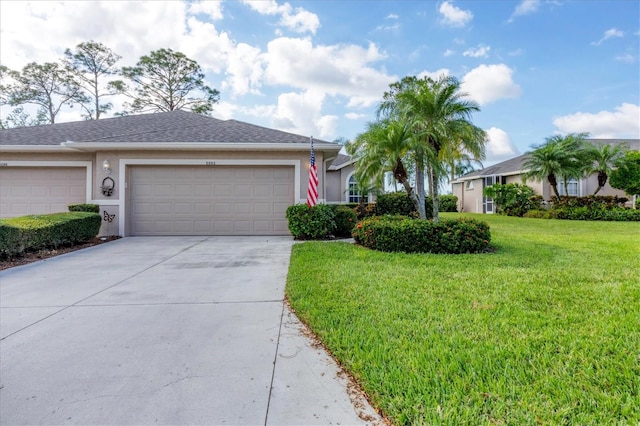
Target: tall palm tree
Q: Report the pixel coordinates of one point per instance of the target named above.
(383, 147)
(439, 116)
(559, 157)
(601, 159)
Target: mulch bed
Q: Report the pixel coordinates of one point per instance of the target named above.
(34, 256)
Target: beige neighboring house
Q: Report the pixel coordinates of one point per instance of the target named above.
(469, 187)
(173, 173)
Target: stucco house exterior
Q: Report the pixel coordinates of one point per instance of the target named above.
(173, 173)
(469, 187)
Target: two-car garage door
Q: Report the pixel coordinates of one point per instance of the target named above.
(209, 200)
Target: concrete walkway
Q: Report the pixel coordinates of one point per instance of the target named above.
(164, 330)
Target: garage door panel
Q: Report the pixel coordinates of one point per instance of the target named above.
(220, 200)
(40, 190)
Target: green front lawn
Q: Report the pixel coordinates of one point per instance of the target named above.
(545, 330)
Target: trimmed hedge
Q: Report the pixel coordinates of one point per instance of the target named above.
(399, 203)
(20, 234)
(592, 201)
(346, 218)
(311, 223)
(92, 208)
(404, 234)
(586, 213)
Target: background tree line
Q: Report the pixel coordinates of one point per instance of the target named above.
(88, 76)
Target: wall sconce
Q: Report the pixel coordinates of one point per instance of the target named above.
(106, 167)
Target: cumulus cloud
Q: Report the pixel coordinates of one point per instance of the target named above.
(622, 123)
(525, 7)
(301, 113)
(212, 9)
(343, 70)
(442, 72)
(354, 116)
(626, 58)
(481, 51)
(449, 52)
(610, 33)
(499, 146)
(489, 83)
(454, 16)
(298, 20)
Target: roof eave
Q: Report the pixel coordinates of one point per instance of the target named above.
(33, 148)
(197, 146)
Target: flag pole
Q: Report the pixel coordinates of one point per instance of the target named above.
(312, 191)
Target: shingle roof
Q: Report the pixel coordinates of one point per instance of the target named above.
(340, 161)
(515, 165)
(174, 126)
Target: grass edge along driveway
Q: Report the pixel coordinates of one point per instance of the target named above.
(546, 330)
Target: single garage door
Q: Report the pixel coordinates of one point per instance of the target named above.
(40, 190)
(211, 200)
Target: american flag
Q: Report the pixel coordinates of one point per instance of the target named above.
(312, 192)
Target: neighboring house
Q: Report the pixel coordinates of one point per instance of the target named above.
(173, 173)
(469, 187)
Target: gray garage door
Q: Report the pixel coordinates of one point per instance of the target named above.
(216, 200)
(40, 190)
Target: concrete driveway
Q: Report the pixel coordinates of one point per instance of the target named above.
(164, 330)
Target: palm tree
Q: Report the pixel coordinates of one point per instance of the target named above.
(382, 148)
(439, 116)
(558, 157)
(601, 159)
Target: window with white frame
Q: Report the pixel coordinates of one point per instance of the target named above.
(571, 189)
(353, 194)
(468, 184)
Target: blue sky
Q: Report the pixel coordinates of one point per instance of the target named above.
(536, 67)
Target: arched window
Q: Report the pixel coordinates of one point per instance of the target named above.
(353, 195)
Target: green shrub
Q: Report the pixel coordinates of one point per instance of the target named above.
(345, 219)
(513, 199)
(607, 202)
(403, 234)
(92, 208)
(537, 214)
(394, 203)
(311, 223)
(590, 213)
(448, 203)
(20, 234)
(367, 210)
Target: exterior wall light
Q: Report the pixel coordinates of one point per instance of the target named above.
(106, 167)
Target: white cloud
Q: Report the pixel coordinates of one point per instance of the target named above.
(449, 52)
(624, 122)
(610, 33)
(442, 72)
(213, 9)
(298, 20)
(336, 70)
(626, 58)
(301, 113)
(454, 16)
(481, 51)
(489, 83)
(499, 147)
(525, 7)
(392, 16)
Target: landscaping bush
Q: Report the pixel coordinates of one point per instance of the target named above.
(20, 234)
(395, 203)
(345, 219)
(403, 234)
(513, 199)
(607, 202)
(92, 208)
(590, 213)
(448, 203)
(368, 210)
(311, 223)
(537, 214)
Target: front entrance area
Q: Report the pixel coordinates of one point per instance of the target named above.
(209, 200)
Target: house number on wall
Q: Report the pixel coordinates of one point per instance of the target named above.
(210, 163)
(4, 164)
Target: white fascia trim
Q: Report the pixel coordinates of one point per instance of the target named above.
(38, 163)
(207, 162)
(33, 148)
(191, 146)
(105, 202)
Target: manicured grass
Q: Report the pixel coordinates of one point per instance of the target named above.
(545, 330)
